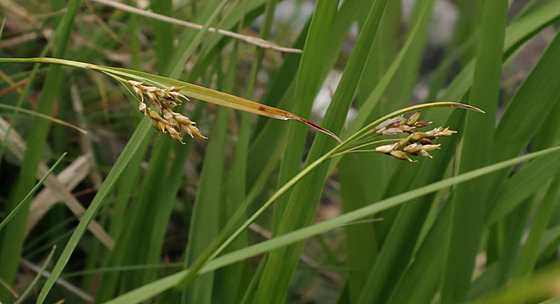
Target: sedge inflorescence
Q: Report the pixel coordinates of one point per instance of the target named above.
(166, 121)
(415, 143)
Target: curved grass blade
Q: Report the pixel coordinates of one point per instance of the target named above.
(149, 290)
(55, 120)
(132, 146)
(28, 196)
(188, 89)
(220, 245)
(542, 286)
(469, 206)
(37, 277)
(2, 27)
(12, 238)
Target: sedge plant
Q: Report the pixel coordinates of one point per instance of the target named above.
(190, 202)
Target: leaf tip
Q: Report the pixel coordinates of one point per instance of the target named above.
(468, 107)
(317, 127)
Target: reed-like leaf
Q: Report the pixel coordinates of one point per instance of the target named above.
(279, 267)
(27, 199)
(12, 237)
(37, 277)
(469, 207)
(149, 290)
(188, 89)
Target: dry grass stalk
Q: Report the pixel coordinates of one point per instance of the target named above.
(249, 39)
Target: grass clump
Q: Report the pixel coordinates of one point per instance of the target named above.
(268, 210)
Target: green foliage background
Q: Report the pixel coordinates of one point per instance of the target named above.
(141, 217)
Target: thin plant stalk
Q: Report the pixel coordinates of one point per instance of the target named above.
(28, 196)
(213, 253)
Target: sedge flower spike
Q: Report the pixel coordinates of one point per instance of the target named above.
(170, 122)
(415, 143)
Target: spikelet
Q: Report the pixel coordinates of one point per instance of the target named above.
(165, 100)
(416, 143)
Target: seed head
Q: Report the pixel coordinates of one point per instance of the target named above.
(424, 153)
(413, 119)
(135, 83)
(401, 155)
(167, 113)
(413, 148)
(439, 131)
(428, 148)
(154, 115)
(385, 148)
(416, 143)
(165, 100)
(391, 131)
(174, 133)
(142, 107)
(155, 124)
(416, 136)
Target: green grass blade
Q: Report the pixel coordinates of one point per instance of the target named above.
(147, 291)
(11, 239)
(208, 214)
(522, 186)
(2, 27)
(234, 280)
(541, 286)
(269, 134)
(466, 26)
(525, 27)
(470, 199)
(529, 254)
(361, 247)
(402, 87)
(205, 222)
(236, 188)
(123, 216)
(26, 200)
(386, 47)
(397, 253)
(133, 144)
(280, 265)
(371, 102)
(162, 30)
(369, 210)
(47, 117)
(537, 87)
(306, 87)
(422, 277)
(221, 242)
(541, 94)
(37, 277)
(191, 90)
(365, 167)
(516, 33)
(177, 67)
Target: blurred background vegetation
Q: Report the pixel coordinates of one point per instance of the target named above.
(156, 208)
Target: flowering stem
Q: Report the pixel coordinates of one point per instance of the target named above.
(220, 245)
